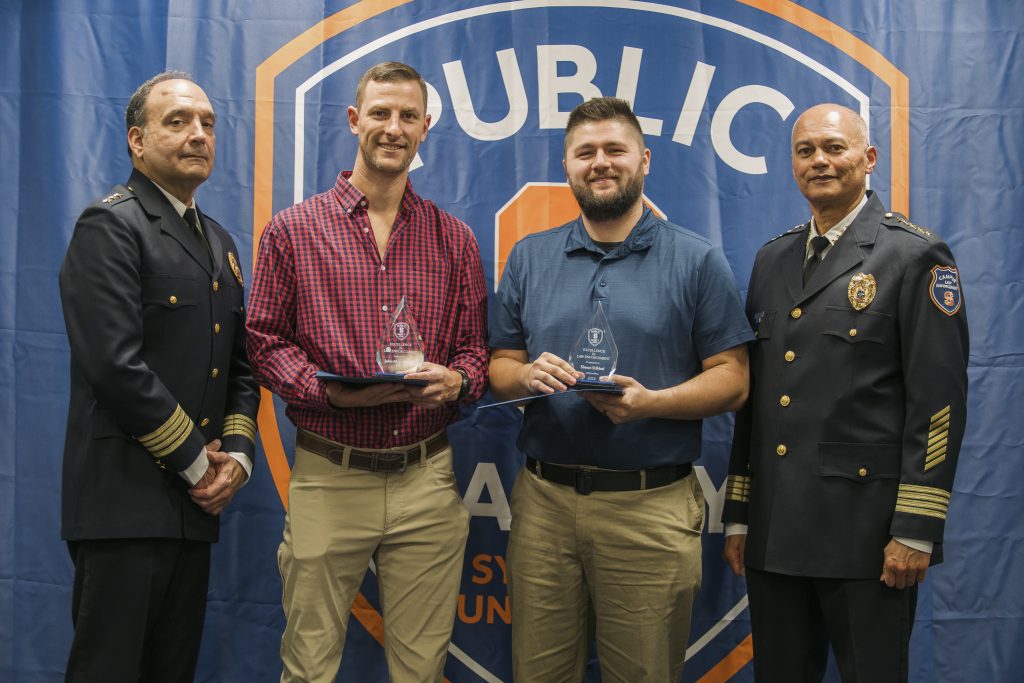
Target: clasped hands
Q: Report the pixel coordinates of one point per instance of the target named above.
(223, 477)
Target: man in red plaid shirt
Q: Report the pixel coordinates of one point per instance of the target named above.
(373, 475)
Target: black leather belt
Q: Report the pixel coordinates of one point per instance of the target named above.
(586, 479)
(373, 461)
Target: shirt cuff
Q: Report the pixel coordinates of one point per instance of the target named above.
(734, 528)
(197, 469)
(246, 464)
(920, 546)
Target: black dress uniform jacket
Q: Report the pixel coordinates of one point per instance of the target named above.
(158, 366)
(855, 417)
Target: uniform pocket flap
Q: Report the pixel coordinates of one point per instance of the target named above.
(861, 462)
(859, 326)
(169, 292)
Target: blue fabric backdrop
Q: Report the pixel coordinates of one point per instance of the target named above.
(719, 83)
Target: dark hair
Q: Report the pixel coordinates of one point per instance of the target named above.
(390, 72)
(602, 109)
(135, 114)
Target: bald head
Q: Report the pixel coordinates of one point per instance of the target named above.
(837, 116)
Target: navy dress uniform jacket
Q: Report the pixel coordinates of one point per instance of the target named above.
(158, 366)
(855, 417)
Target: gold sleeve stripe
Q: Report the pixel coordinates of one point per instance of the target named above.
(918, 511)
(737, 488)
(922, 500)
(929, 491)
(938, 438)
(169, 436)
(237, 424)
(939, 425)
(933, 460)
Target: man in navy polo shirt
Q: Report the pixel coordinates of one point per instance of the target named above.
(607, 514)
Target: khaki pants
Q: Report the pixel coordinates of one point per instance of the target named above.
(412, 524)
(623, 567)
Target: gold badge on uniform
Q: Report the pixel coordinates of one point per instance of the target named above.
(861, 290)
(233, 262)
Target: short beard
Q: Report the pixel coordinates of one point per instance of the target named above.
(371, 162)
(599, 209)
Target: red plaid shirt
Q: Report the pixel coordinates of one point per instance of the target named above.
(321, 296)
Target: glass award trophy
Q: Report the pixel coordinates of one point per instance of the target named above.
(595, 354)
(400, 348)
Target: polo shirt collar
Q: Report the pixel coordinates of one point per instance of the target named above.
(639, 238)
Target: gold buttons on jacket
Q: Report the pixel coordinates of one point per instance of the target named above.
(853, 332)
(863, 471)
(172, 299)
(216, 285)
(795, 313)
(214, 373)
(790, 356)
(205, 422)
(784, 401)
(216, 328)
(781, 449)
(888, 214)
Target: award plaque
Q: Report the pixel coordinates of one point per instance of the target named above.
(400, 349)
(595, 354)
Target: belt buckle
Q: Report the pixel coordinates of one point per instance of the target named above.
(582, 481)
(377, 464)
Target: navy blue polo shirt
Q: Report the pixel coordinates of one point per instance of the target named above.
(671, 301)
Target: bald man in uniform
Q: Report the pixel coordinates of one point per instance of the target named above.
(843, 458)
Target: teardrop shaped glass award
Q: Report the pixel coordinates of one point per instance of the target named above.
(595, 353)
(400, 349)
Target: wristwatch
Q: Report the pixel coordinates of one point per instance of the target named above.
(464, 389)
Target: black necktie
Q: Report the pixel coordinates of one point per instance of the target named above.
(192, 220)
(818, 243)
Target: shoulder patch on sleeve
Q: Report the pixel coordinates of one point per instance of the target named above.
(898, 220)
(944, 289)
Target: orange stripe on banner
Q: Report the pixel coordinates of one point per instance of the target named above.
(731, 664)
(899, 85)
(271, 438)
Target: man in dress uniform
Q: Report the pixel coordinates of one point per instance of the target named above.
(843, 458)
(161, 425)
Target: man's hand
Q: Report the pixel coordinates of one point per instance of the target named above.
(342, 396)
(633, 403)
(230, 476)
(211, 471)
(548, 374)
(442, 386)
(732, 553)
(903, 566)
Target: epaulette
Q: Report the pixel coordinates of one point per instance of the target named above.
(893, 219)
(117, 197)
(795, 229)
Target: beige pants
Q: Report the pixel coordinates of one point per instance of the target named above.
(412, 524)
(623, 567)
